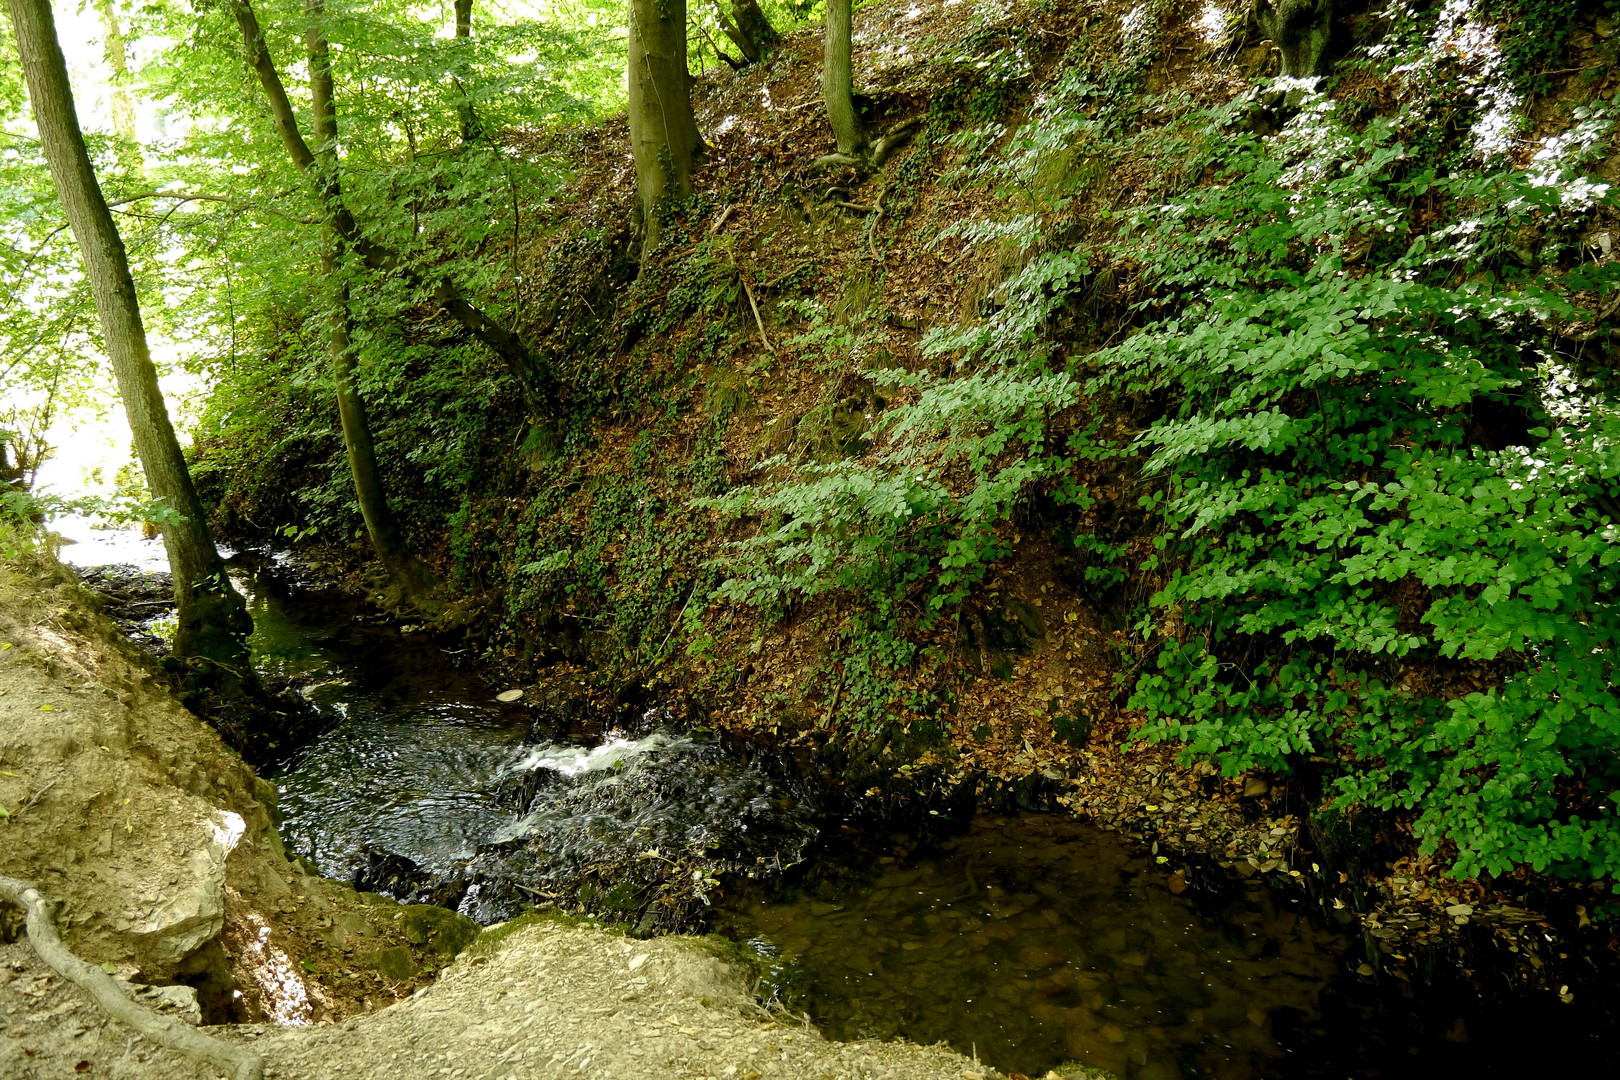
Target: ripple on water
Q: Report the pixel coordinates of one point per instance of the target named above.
(422, 782)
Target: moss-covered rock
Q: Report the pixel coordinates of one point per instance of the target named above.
(438, 929)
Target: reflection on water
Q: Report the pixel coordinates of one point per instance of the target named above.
(87, 542)
(418, 780)
(414, 763)
(1035, 941)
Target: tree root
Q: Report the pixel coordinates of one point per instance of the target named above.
(893, 140)
(163, 1030)
(879, 152)
(827, 161)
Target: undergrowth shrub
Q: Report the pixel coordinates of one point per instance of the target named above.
(1378, 444)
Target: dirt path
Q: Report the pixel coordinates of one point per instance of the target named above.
(547, 1001)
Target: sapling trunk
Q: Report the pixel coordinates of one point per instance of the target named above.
(404, 569)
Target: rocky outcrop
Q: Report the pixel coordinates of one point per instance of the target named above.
(156, 840)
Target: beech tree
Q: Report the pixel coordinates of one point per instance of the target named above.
(838, 79)
(213, 619)
(532, 372)
(406, 571)
(664, 136)
(470, 128)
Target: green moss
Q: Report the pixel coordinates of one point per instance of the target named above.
(488, 942)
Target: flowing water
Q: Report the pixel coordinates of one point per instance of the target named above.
(1028, 941)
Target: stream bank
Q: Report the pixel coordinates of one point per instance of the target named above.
(159, 844)
(1023, 942)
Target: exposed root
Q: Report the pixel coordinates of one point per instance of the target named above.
(163, 1030)
(881, 151)
(828, 161)
(893, 140)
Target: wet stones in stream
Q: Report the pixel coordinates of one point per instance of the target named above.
(640, 832)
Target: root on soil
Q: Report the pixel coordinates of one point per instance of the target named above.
(163, 1030)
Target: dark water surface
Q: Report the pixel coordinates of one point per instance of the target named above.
(1030, 940)
(1035, 940)
(412, 765)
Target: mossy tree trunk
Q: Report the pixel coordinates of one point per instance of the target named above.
(838, 78)
(1301, 30)
(747, 27)
(664, 135)
(213, 620)
(404, 569)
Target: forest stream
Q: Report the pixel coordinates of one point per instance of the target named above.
(1025, 941)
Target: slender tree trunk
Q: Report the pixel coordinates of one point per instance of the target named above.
(123, 107)
(407, 572)
(838, 79)
(664, 136)
(531, 371)
(403, 567)
(471, 130)
(747, 27)
(214, 622)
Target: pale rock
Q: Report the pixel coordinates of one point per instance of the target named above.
(194, 911)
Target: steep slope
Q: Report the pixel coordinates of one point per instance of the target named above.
(963, 470)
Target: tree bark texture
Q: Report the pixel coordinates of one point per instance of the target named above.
(838, 78)
(243, 1064)
(531, 371)
(664, 136)
(403, 567)
(1301, 30)
(471, 129)
(213, 620)
(747, 27)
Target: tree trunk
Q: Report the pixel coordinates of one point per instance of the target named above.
(531, 371)
(123, 108)
(838, 79)
(664, 137)
(214, 622)
(747, 27)
(471, 130)
(404, 569)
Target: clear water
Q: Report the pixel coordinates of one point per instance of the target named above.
(1033, 941)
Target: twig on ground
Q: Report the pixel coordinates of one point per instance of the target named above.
(757, 320)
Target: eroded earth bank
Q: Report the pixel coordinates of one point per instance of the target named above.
(158, 843)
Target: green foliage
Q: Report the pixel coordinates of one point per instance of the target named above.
(1379, 471)
(619, 561)
(1384, 490)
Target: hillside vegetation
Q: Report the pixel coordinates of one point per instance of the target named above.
(1128, 404)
